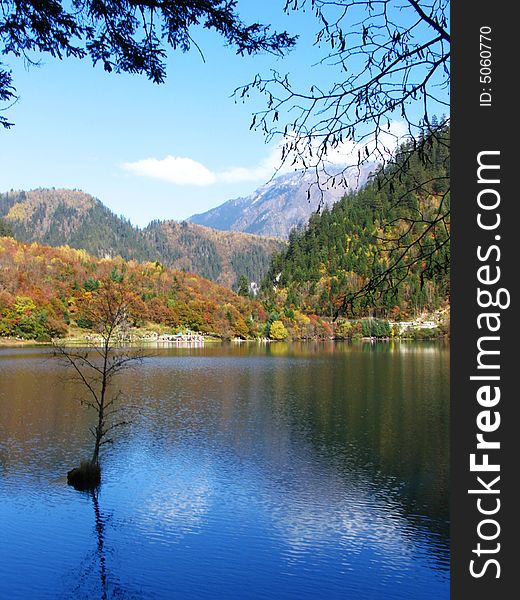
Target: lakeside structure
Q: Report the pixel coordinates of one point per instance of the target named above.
(402, 326)
(181, 338)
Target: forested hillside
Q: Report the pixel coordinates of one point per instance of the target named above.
(222, 256)
(71, 217)
(42, 289)
(394, 233)
(58, 216)
(5, 229)
(402, 212)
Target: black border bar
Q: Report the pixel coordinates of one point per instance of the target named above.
(484, 124)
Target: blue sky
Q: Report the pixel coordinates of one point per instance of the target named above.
(77, 127)
(150, 151)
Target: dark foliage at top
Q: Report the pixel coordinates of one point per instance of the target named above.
(123, 35)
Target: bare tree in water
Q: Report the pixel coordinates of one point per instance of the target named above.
(106, 310)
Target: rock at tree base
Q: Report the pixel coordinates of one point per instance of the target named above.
(85, 477)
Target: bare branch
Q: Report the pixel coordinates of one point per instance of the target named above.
(107, 308)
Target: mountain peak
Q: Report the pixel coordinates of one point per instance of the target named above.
(284, 202)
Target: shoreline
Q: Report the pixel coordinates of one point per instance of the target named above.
(21, 343)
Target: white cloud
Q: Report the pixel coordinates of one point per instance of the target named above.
(175, 169)
(186, 171)
(182, 170)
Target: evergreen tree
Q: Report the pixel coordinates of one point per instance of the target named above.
(5, 229)
(243, 286)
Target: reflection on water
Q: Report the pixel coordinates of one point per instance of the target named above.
(97, 565)
(287, 471)
(100, 532)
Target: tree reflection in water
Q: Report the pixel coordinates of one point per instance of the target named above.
(100, 532)
(89, 585)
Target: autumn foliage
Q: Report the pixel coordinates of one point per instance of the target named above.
(45, 291)
(48, 292)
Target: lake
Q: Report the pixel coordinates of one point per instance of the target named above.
(248, 471)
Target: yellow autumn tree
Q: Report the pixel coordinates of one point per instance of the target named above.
(277, 331)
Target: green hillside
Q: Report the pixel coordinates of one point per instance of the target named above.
(221, 256)
(389, 240)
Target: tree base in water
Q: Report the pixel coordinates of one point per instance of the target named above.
(85, 477)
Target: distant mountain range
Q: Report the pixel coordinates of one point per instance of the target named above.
(281, 204)
(59, 217)
(234, 239)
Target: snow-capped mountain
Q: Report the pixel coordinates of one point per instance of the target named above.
(282, 203)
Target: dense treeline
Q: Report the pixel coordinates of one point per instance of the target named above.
(5, 229)
(177, 244)
(221, 256)
(342, 248)
(58, 217)
(41, 289)
(251, 262)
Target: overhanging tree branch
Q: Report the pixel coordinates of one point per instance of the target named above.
(383, 78)
(129, 36)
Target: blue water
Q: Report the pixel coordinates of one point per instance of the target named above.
(291, 472)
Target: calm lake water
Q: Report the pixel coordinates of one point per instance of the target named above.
(312, 471)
